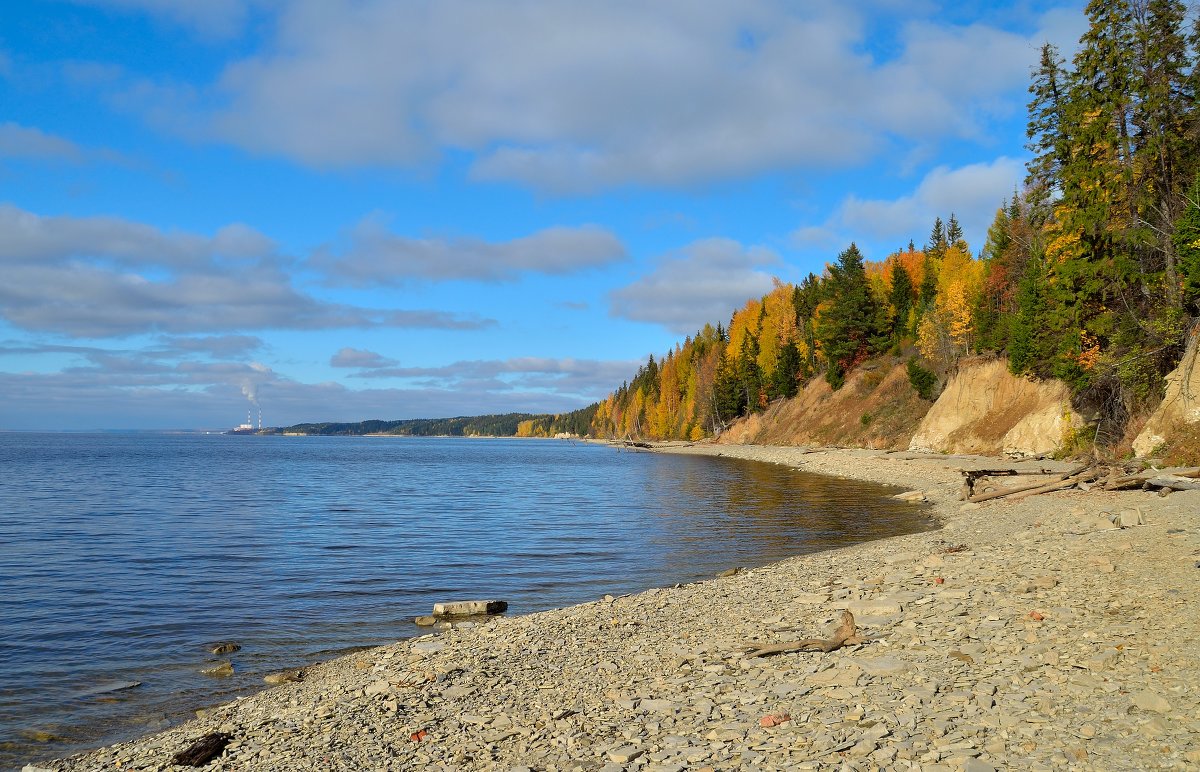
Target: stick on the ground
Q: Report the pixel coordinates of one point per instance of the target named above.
(845, 635)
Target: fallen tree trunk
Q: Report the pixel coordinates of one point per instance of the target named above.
(1070, 478)
(973, 476)
(845, 635)
(1174, 482)
(1136, 480)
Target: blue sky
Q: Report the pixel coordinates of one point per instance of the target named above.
(351, 209)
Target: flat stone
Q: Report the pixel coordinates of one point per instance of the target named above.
(429, 647)
(810, 598)
(658, 706)
(382, 686)
(1151, 701)
(911, 496)
(284, 676)
(875, 607)
(900, 557)
(880, 666)
(625, 754)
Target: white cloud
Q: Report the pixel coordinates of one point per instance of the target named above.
(972, 193)
(587, 379)
(377, 256)
(360, 358)
(96, 277)
(23, 142)
(700, 284)
(574, 96)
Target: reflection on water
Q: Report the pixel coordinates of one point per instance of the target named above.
(122, 556)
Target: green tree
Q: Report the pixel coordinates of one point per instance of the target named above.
(1186, 241)
(850, 330)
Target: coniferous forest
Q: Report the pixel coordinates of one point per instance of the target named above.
(1090, 273)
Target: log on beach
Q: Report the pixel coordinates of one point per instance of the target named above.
(465, 608)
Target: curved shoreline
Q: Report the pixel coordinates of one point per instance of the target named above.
(963, 674)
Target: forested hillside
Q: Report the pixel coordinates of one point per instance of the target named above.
(1090, 273)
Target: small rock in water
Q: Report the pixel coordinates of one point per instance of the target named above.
(40, 736)
(426, 621)
(730, 572)
(222, 670)
(224, 647)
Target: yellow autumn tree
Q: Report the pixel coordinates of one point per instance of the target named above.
(949, 331)
(777, 327)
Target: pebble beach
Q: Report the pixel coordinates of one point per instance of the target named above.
(1028, 634)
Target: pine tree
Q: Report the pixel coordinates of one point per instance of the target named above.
(954, 234)
(1163, 107)
(900, 299)
(937, 239)
(785, 378)
(1186, 241)
(850, 330)
(1046, 130)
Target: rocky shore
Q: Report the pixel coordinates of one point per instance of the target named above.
(1022, 635)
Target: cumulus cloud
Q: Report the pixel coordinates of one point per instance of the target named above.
(376, 256)
(213, 345)
(973, 193)
(575, 96)
(588, 379)
(96, 277)
(359, 358)
(701, 283)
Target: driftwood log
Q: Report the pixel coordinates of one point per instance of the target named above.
(203, 750)
(1085, 477)
(845, 635)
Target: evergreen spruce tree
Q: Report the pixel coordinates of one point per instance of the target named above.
(1046, 130)
(850, 330)
(785, 379)
(954, 234)
(1163, 107)
(1186, 240)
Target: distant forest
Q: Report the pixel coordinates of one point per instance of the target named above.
(1090, 273)
(506, 425)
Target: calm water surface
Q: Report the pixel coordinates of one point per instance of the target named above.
(122, 556)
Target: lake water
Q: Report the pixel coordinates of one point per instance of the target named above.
(123, 555)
